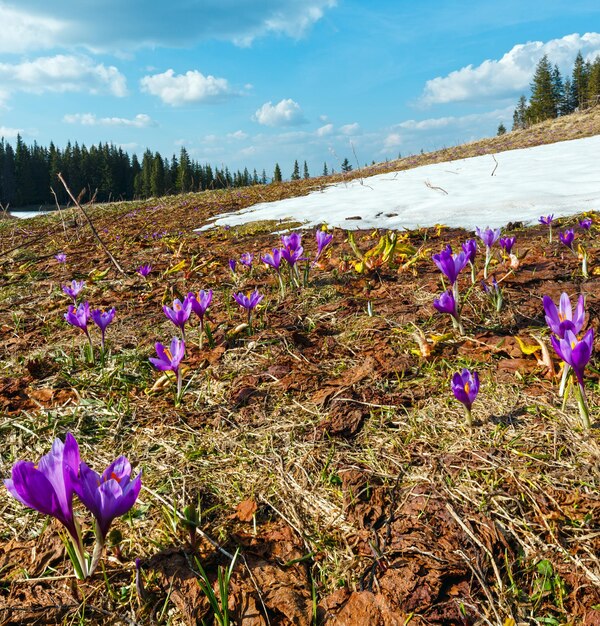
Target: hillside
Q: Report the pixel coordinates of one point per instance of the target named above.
(324, 443)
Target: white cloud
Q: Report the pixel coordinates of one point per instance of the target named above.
(325, 130)
(239, 134)
(249, 151)
(511, 74)
(23, 31)
(62, 73)
(393, 140)
(350, 129)
(187, 88)
(461, 121)
(284, 113)
(113, 25)
(141, 120)
(10, 133)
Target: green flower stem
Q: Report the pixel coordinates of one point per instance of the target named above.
(469, 417)
(584, 410)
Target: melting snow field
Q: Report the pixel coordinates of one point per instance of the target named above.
(561, 178)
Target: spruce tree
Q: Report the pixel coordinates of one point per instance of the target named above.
(579, 81)
(306, 174)
(325, 170)
(296, 173)
(346, 166)
(501, 129)
(184, 172)
(558, 89)
(263, 178)
(157, 178)
(277, 174)
(568, 104)
(594, 83)
(542, 104)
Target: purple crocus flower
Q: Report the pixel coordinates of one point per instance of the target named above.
(80, 317)
(200, 302)
(450, 264)
(563, 318)
(465, 386)
(292, 255)
(249, 301)
(488, 236)
(102, 319)
(180, 313)
(507, 243)
(144, 270)
(246, 259)
(547, 220)
(575, 352)
(61, 257)
(293, 241)
(110, 495)
(49, 485)
(566, 237)
(74, 289)
(274, 260)
(446, 303)
(470, 249)
(585, 223)
(323, 240)
(232, 264)
(169, 359)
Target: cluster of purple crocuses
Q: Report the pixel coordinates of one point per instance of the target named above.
(79, 315)
(50, 485)
(451, 265)
(566, 325)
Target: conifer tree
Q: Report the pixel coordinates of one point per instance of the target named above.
(157, 178)
(325, 170)
(542, 104)
(277, 174)
(263, 178)
(183, 181)
(568, 104)
(346, 166)
(296, 173)
(594, 82)
(501, 129)
(579, 81)
(558, 89)
(306, 174)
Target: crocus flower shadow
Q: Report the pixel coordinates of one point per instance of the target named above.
(509, 418)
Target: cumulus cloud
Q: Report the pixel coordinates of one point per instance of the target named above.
(10, 133)
(437, 132)
(239, 134)
(22, 31)
(284, 113)
(141, 120)
(350, 129)
(325, 130)
(110, 24)
(62, 73)
(191, 87)
(509, 75)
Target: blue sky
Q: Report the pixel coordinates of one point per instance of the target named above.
(251, 83)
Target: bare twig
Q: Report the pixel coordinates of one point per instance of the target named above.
(495, 166)
(428, 184)
(89, 221)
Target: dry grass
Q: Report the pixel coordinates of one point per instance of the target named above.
(519, 489)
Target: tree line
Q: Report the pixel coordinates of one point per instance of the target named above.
(553, 95)
(28, 174)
